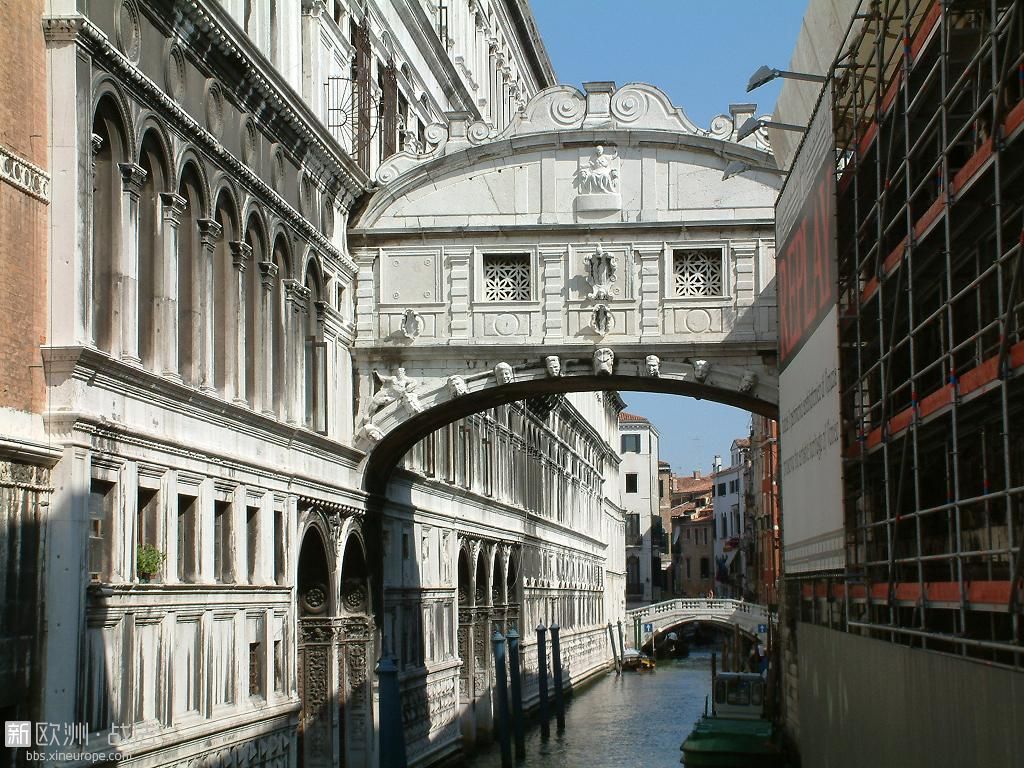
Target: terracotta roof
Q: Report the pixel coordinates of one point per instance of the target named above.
(663, 464)
(687, 484)
(623, 416)
(741, 442)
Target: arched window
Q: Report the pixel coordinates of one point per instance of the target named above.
(227, 323)
(190, 319)
(253, 313)
(110, 148)
(315, 363)
(278, 339)
(151, 290)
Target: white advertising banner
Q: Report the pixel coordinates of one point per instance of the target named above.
(811, 454)
(810, 448)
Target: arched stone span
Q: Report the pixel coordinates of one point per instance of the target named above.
(746, 382)
(596, 221)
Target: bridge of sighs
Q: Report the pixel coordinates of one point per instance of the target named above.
(594, 244)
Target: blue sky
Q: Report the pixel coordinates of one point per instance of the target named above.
(701, 53)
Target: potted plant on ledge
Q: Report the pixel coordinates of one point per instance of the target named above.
(148, 562)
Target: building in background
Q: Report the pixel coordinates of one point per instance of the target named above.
(762, 531)
(638, 444)
(902, 382)
(729, 504)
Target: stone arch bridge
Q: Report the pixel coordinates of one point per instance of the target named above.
(594, 244)
(750, 618)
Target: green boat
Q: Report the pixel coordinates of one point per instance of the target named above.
(736, 734)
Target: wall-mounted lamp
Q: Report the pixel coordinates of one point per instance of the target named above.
(766, 74)
(751, 124)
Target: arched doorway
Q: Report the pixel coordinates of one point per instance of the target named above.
(355, 645)
(482, 613)
(335, 645)
(317, 743)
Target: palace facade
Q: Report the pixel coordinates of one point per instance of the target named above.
(201, 578)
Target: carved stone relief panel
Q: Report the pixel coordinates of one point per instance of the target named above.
(410, 277)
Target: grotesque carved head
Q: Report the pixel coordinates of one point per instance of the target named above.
(604, 360)
(553, 365)
(503, 373)
(653, 363)
(457, 386)
(701, 369)
(748, 382)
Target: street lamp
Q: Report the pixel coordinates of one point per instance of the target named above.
(766, 74)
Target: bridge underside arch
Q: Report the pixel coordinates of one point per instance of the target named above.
(407, 426)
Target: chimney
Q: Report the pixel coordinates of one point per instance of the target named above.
(696, 474)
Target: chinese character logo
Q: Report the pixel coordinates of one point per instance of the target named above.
(18, 734)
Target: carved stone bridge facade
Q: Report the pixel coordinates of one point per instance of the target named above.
(594, 244)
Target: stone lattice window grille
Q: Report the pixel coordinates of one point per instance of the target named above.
(507, 277)
(697, 273)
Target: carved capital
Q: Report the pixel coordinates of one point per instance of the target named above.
(241, 254)
(57, 29)
(268, 271)
(172, 206)
(314, 7)
(209, 233)
(97, 143)
(296, 295)
(132, 178)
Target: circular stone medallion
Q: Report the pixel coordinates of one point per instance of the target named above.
(698, 321)
(506, 325)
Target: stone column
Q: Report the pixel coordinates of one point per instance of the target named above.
(125, 325)
(492, 80)
(203, 305)
(241, 255)
(265, 351)
(296, 297)
(166, 310)
(650, 289)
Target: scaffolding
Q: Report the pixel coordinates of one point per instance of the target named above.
(929, 120)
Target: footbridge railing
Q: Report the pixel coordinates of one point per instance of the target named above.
(659, 617)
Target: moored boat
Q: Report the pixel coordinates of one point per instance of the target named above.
(736, 734)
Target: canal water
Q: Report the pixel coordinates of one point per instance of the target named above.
(633, 720)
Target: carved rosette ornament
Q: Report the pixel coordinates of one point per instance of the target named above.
(175, 72)
(214, 108)
(128, 32)
(601, 267)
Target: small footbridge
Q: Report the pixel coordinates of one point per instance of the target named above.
(750, 618)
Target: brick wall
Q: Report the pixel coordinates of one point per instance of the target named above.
(23, 219)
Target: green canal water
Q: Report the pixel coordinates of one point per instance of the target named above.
(633, 720)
